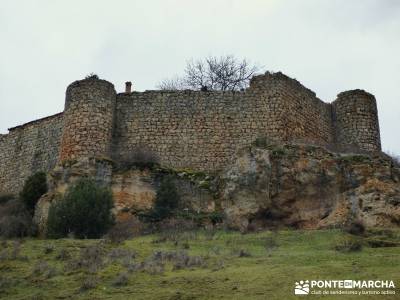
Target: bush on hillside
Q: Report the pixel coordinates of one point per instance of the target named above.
(15, 220)
(348, 244)
(35, 186)
(125, 228)
(355, 227)
(84, 211)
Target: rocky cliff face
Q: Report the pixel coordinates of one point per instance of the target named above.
(290, 185)
(309, 187)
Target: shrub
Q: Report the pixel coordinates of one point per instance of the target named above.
(201, 218)
(124, 229)
(379, 242)
(42, 268)
(88, 283)
(348, 244)
(63, 255)
(219, 265)
(92, 76)
(15, 220)
(90, 259)
(48, 249)
(176, 231)
(355, 227)
(244, 253)
(84, 211)
(167, 200)
(180, 259)
(120, 254)
(12, 252)
(121, 279)
(35, 186)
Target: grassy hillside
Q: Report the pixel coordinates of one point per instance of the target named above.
(189, 265)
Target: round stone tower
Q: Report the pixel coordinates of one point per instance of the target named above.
(356, 121)
(88, 119)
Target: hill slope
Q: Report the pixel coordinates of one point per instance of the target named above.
(192, 265)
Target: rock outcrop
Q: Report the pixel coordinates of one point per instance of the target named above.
(300, 186)
(310, 187)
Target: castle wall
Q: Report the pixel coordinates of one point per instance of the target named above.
(28, 149)
(202, 130)
(305, 117)
(356, 121)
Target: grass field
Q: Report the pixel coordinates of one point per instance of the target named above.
(189, 265)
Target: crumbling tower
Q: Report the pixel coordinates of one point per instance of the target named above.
(88, 120)
(356, 121)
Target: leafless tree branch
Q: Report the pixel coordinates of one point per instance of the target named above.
(214, 73)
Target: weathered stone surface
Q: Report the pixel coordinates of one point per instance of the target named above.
(309, 187)
(28, 149)
(292, 185)
(133, 191)
(186, 129)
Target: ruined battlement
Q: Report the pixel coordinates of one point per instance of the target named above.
(200, 130)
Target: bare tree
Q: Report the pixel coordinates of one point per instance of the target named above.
(213, 73)
(175, 83)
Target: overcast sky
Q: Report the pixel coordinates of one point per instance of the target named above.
(328, 45)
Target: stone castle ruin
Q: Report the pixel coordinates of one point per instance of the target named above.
(199, 130)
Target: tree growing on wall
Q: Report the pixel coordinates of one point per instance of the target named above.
(225, 73)
(35, 186)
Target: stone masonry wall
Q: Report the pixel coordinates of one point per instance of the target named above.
(306, 118)
(88, 119)
(356, 120)
(202, 130)
(27, 149)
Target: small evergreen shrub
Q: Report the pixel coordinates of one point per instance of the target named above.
(35, 186)
(84, 211)
(167, 200)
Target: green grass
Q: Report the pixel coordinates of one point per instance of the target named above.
(269, 273)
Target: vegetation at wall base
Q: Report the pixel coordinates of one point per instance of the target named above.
(35, 186)
(166, 202)
(84, 211)
(15, 219)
